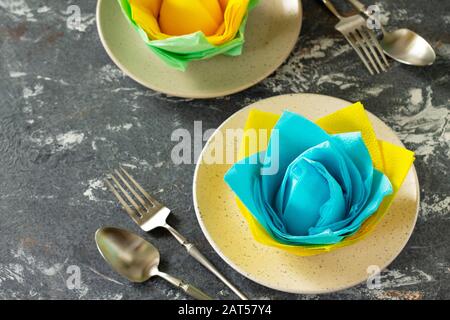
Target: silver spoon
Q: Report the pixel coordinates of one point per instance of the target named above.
(136, 259)
(403, 45)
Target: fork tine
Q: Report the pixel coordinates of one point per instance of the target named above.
(364, 33)
(127, 195)
(361, 44)
(153, 201)
(130, 188)
(131, 212)
(378, 46)
(361, 56)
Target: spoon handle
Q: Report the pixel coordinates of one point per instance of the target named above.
(197, 255)
(188, 288)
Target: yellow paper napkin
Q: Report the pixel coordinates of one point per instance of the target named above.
(219, 20)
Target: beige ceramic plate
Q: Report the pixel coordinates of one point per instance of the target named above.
(227, 231)
(272, 31)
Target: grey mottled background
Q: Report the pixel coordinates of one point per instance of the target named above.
(67, 115)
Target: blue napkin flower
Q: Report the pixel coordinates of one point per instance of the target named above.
(323, 189)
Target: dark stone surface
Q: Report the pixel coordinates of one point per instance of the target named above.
(68, 115)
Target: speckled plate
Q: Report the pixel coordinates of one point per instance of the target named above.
(272, 31)
(228, 233)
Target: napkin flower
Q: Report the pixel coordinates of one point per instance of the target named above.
(332, 185)
(180, 31)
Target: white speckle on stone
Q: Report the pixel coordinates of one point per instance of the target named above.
(42, 197)
(126, 126)
(60, 81)
(426, 129)
(174, 295)
(403, 14)
(21, 255)
(64, 141)
(139, 163)
(41, 141)
(30, 121)
(11, 271)
(384, 15)
(446, 19)
(32, 92)
(224, 292)
(376, 91)
(43, 9)
(300, 72)
(116, 90)
(17, 74)
(129, 165)
(416, 97)
(41, 272)
(144, 163)
(52, 270)
(35, 265)
(338, 79)
(17, 8)
(111, 296)
(94, 184)
(69, 139)
(110, 73)
(444, 266)
(82, 291)
(443, 49)
(395, 278)
(433, 207)
(159, 164)
(318, 48)
(176, 123)
(94, 142)
(135, 107)
(76, 20)
(27, 109)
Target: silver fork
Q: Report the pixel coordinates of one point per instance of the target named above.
(149, 214)
(361, 38)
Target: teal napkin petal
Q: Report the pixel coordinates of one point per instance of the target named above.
(325, 188)
(295, 134)
(380, 188)
(248, 171)
(339, 166)
(353, 146)
(300, 205)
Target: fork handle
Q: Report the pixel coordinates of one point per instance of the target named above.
(197, 255)
(186, 287)
(358, 6)
(332, 8)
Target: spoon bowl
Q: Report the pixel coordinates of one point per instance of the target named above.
(136, 259)
(407, 47)
(128, 254)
